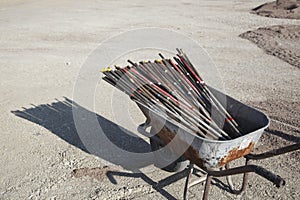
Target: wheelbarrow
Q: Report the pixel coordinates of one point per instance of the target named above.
(169, 141)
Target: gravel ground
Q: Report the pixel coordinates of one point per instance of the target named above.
(43, 46)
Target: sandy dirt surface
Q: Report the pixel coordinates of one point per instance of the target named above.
(280, 41)
(43, 46)
(280, 9)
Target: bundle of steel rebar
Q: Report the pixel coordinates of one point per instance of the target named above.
(172, 88)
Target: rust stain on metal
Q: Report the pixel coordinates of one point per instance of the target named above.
(166, 135)
(236, 153)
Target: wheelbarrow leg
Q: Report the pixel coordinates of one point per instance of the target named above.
(207, 187)
(186, 186)
(245, 180)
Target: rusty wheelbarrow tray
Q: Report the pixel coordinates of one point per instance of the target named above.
(211, 155)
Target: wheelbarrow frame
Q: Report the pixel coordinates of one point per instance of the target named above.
(212, 155)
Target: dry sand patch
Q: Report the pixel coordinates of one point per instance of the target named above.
(279, 9)
(280, 41)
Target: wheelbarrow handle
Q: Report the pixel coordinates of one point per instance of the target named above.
(142, 129)
(274, 152)
(277, 180)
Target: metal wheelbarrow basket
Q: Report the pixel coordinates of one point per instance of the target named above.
(210, 155)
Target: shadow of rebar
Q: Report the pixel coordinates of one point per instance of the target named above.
(283, 135)
(57, 117)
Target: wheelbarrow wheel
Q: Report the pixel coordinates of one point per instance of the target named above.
(178, 165)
